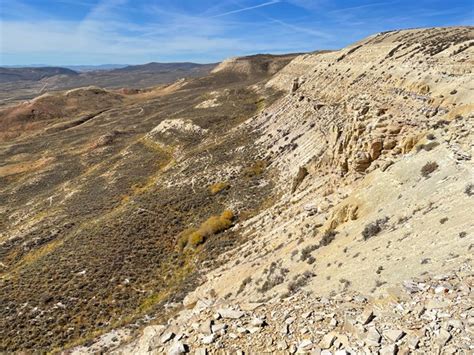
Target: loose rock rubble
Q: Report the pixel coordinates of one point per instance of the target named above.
(426, 315)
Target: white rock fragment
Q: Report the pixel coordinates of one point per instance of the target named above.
(443, 337)
(394, 334)
(373, 336)
(209, 339)
(327, 341)
(177, 348)
(230, 313)
(391, 349)
(366, 316)
(305, 345)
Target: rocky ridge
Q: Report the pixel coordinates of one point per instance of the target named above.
(254, 65)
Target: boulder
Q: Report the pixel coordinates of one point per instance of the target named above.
(375, 149)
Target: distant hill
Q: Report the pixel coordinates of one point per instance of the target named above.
(26, 83)
(158, 67)
(33, 74)
(87, 68)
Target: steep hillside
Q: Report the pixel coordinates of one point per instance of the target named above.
(322, 204)
(371, 150)
(350, 143)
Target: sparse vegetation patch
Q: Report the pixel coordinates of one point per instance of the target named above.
(374, 228)
(256, 169)
(299, 282)
(429, 168)
(274, 277)
(469, 190)
(306, 252)
(214, 189)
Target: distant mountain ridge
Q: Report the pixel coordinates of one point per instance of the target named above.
(18, 74)
(100, 67)
(155, 66)
(14, 73)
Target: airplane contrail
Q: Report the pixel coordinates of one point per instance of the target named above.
(248, 8)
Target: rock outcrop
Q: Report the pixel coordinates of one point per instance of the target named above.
(254, 65)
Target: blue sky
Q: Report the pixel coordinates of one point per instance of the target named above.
(67, 32)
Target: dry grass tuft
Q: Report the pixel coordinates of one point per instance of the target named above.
(256, 169)
(218, 187)
(213, 225)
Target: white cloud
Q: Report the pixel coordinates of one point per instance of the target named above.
(104, 41)
(107, 34)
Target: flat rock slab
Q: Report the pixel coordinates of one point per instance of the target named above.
(394, 335)
(230, 313)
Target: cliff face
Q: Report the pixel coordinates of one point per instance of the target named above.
(372, 100)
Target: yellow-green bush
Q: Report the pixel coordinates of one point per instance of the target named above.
(256, 169)
(195, 238)
(184, 237)
(227, 214)
(218, 187)
(213, 225)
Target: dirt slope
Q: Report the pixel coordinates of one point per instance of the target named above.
(95, 197)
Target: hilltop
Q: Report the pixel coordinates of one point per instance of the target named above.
(8, 75)
(312, 202)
